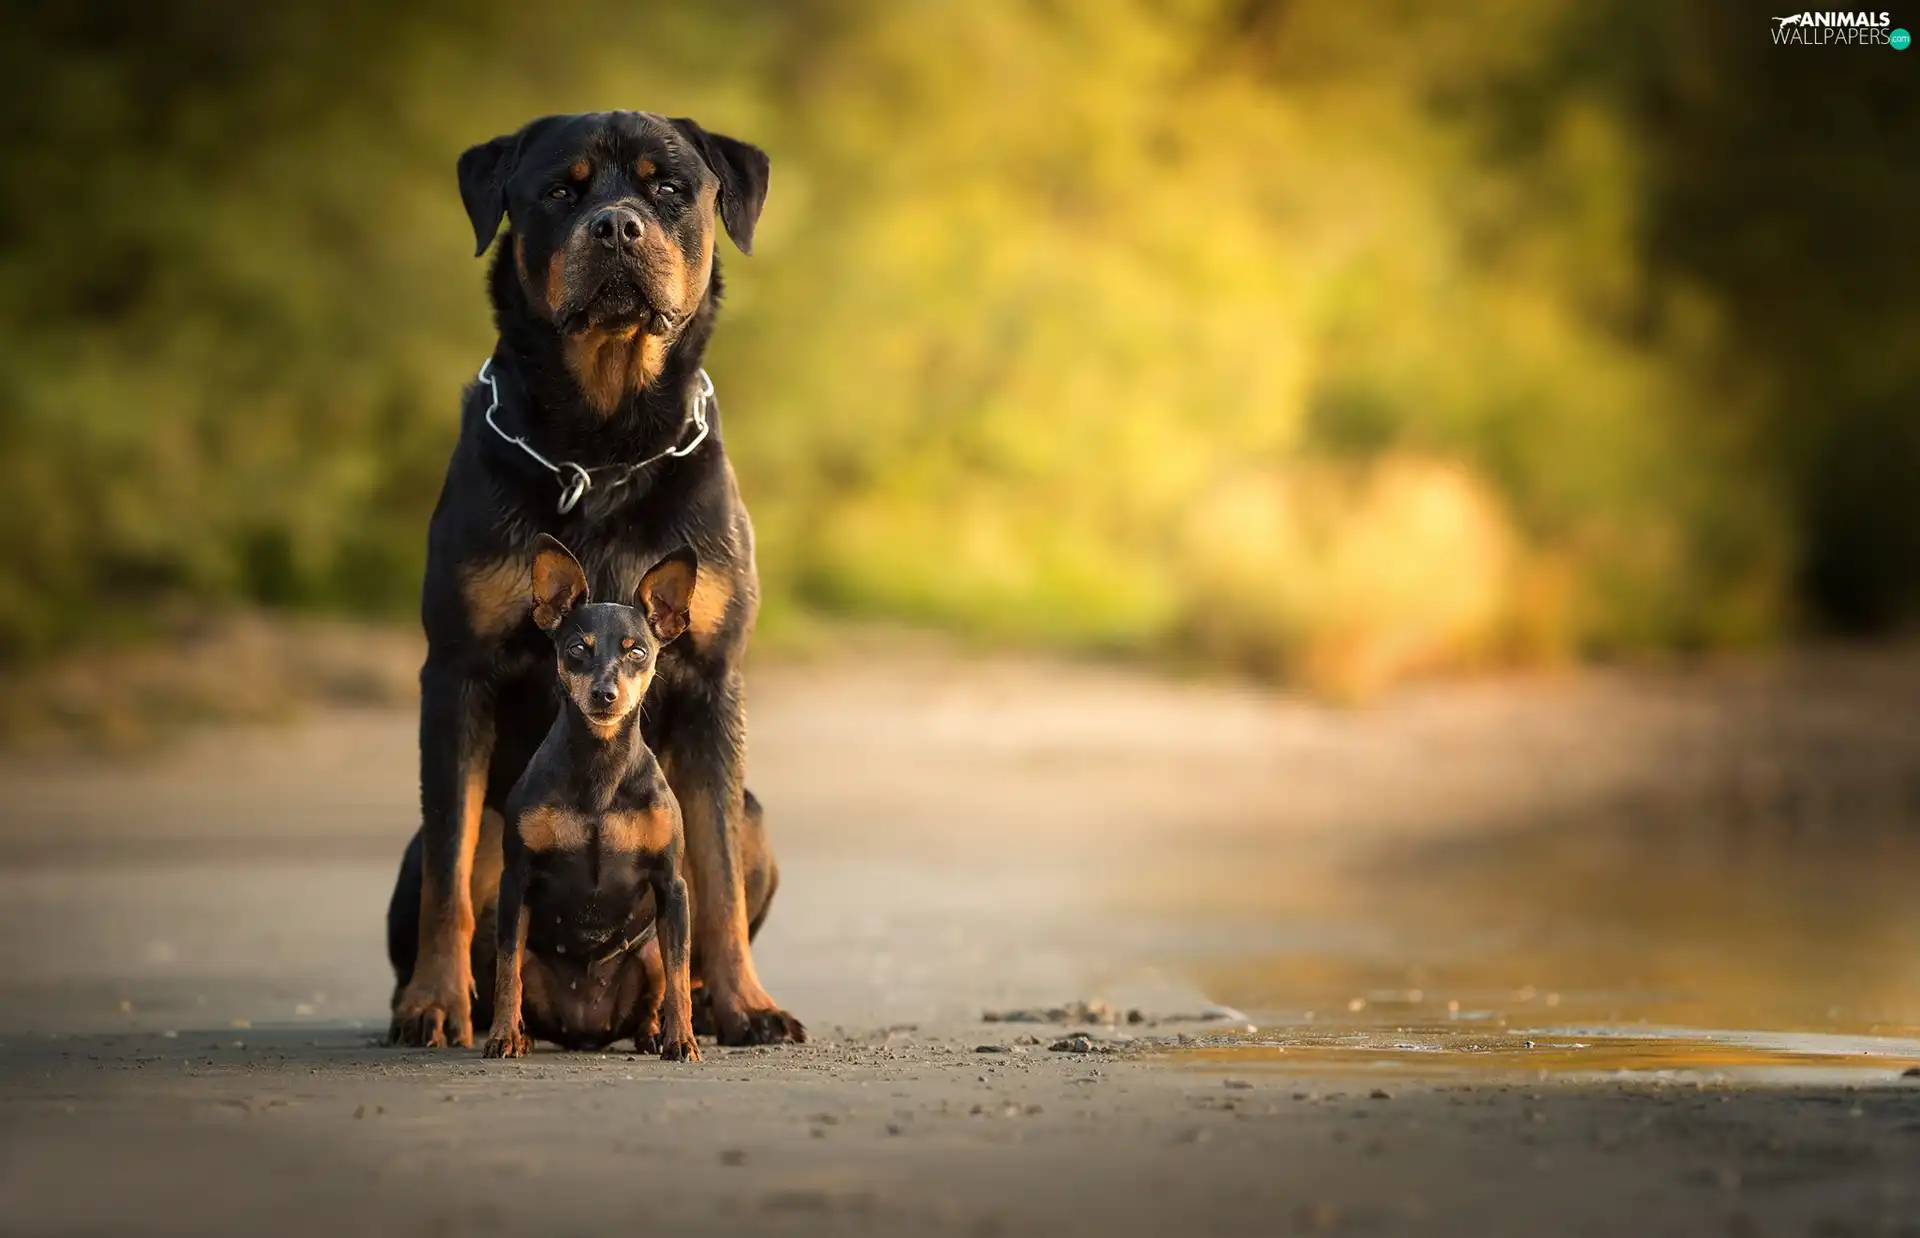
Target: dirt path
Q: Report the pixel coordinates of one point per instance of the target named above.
(1509, 907)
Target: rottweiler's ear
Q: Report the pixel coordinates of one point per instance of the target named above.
(666, 593)
(559, 582)
(742, 168)
(484, 170)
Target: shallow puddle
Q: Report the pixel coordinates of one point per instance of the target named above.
(1570, 1053)
(1575, 949)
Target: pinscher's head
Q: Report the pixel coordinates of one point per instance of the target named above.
(606, 651)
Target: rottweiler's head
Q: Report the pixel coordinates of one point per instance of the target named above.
(606, 652)
(611, 230)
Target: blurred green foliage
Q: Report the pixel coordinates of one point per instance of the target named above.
(1333, 342)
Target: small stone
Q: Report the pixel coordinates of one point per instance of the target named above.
(733, 1156)
(1238, 1085)
(1911, 1072)
(1077, 1043)
(990, 1048)
(360, 1111)
(1134, 1016)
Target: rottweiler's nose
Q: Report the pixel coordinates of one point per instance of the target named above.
(617, 227)
(605, 694)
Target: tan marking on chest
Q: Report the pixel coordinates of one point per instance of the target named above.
(610, 365)
(646, 832)
(498, 594)
(639, 832)
(707, 613)
(553, 829)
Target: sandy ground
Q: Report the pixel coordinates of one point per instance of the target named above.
(1477, 930)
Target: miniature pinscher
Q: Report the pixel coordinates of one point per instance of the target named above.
(592, 830)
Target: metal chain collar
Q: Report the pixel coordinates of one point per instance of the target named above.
(576, 479)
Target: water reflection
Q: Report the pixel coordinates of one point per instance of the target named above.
(1448, 1053)
(1591, 944)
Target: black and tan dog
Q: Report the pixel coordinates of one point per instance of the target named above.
(585, 956)
(593, 422)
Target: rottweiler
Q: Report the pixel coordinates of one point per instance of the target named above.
(592, 422)
(585, 957)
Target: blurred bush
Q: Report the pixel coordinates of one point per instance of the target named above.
(1331, 342)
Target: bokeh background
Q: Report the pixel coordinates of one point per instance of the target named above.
(1333, 343)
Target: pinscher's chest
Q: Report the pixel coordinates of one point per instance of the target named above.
(588, 875)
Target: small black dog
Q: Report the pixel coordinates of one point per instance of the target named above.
(592, 828)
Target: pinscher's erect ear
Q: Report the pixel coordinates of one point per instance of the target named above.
(666, 593)
(559, 583)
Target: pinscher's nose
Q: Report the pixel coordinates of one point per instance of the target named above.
(604, 694)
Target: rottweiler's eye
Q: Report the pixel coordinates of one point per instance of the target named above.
(576, 653)
(560, 193)
(667, 190)
(636, 654)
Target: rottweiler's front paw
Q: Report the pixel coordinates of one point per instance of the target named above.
(513, 1042)
(768, 1026)
(433, 1012)
(679, 1046)
(647, 1042)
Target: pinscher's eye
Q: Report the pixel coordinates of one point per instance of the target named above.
(561, 193)
(577, 653)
